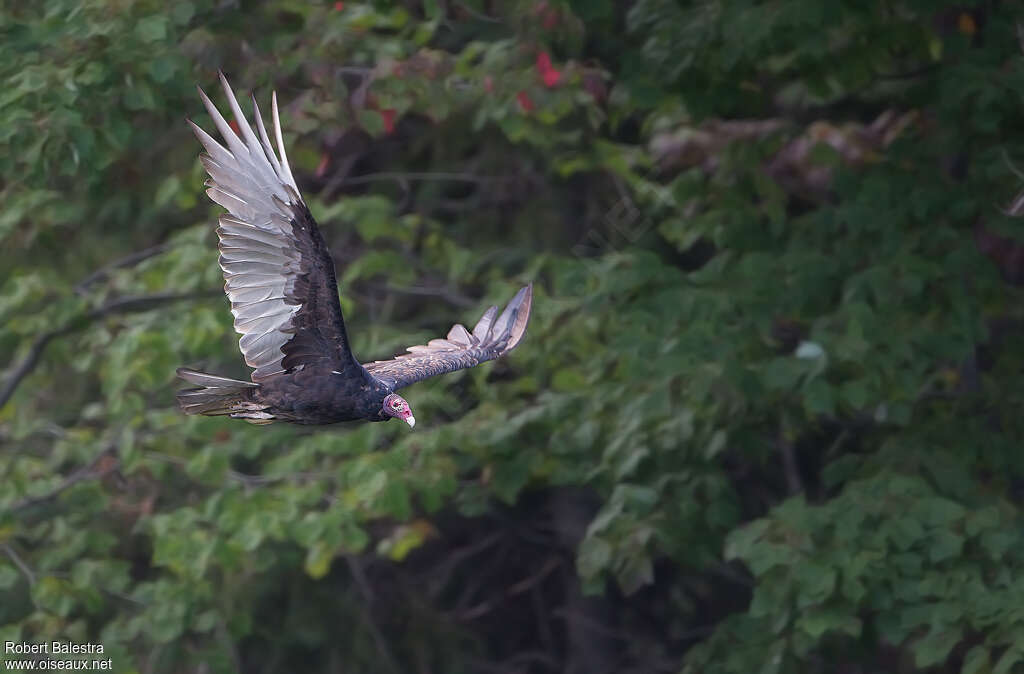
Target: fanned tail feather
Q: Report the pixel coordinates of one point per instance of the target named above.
(219, 396)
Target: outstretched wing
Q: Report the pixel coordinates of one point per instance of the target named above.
(278, 272)
(490, 339)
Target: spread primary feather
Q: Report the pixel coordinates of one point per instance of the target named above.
(280, 280)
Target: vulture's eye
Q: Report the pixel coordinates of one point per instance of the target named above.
(396, 405)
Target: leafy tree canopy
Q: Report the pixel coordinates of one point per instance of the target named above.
(766, 417)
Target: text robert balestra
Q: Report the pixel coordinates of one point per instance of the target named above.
(51, 648)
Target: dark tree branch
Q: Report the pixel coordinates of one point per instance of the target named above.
(590, 625)
(126, 261)
(790, 466)
(86, 472)
(527, 583)
(246, 480)
(401, 177)
(27, 364)
(447, 294)
(480, 16)
(18, 562)
(121, 305)
(364, 609)
(441, 574)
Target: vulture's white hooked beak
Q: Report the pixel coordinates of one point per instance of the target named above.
(411, 420)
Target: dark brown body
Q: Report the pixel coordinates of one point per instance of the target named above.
(313, 396)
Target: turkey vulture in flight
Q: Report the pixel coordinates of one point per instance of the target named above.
(280, 279)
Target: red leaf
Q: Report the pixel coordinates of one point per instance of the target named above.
(234, 127)
(524, 102)
(388, 116)
(338, 6)
(548, 74)
(488, 84)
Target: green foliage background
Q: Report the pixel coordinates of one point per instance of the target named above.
(766, 418)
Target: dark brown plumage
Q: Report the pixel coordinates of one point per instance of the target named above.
(280, 279)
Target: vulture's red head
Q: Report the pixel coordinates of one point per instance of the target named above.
(396, 406)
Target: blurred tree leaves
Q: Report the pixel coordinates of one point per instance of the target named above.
(765, 418)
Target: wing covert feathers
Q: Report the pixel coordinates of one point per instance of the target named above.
(490, 338)
(271, 252)
(280, 279)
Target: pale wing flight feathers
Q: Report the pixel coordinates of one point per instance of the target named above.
(491, 338)
(277, 271)
(281, 282)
